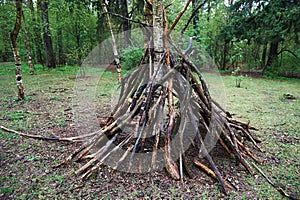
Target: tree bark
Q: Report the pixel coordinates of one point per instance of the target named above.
(126, 25)
(50, 58)
(61, 57)
(13, 36)
(272, 56)
(264, 56)
(157, 26)
(100, 23)
(224, 55)
(196, 21)
(27, 45)
(37, 48)
(114, 45)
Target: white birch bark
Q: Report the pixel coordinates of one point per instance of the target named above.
(13, 36)
(114, 45)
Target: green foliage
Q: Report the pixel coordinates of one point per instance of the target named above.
(232, 32)
(4, 190)
(246, 27)
(131, 57)
(238, 77)
(7, 20)
(16, 115)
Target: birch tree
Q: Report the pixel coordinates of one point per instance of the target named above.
(13, 37)
(27, 45)
(113, 40)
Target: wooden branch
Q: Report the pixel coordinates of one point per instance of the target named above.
(247, 151)
(180, 15)
(40, 137)
(283, 50)
(158, 128)
(244, 125)
(210, 172)
(279, 188)
(247, 134)
(126, 18)
(123, 157)
(224, 145)
(201, 147)
(192, 16)
(101, 159)
(98, 154)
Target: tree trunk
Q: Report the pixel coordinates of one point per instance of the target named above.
(37, 48)
(264, 56)
(100, 24)
(196, 22)
(13, 36)
(27, 45)
(272, 56)
(224, 56)
(50, 58)
(114, 44)
(126, 25)
(61, 57)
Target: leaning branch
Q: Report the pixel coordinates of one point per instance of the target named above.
(180, 15)
(39, 137)
(126, 18)
(279, 188)
(192, 16)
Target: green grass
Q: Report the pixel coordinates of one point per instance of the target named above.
(261, 101)
(27, 172)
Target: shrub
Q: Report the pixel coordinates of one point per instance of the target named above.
(131, 57)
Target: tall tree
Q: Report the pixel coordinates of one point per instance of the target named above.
(13, 36)
(196, 21)
(50, 58)
(126, 25)
(36, 28)
(61, 57)
(113, 40)
(265, 22)
(27, 45)
(101, 31)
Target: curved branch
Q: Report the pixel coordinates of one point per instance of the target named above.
(283, 50)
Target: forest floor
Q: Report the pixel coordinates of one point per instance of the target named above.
(26, 164)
